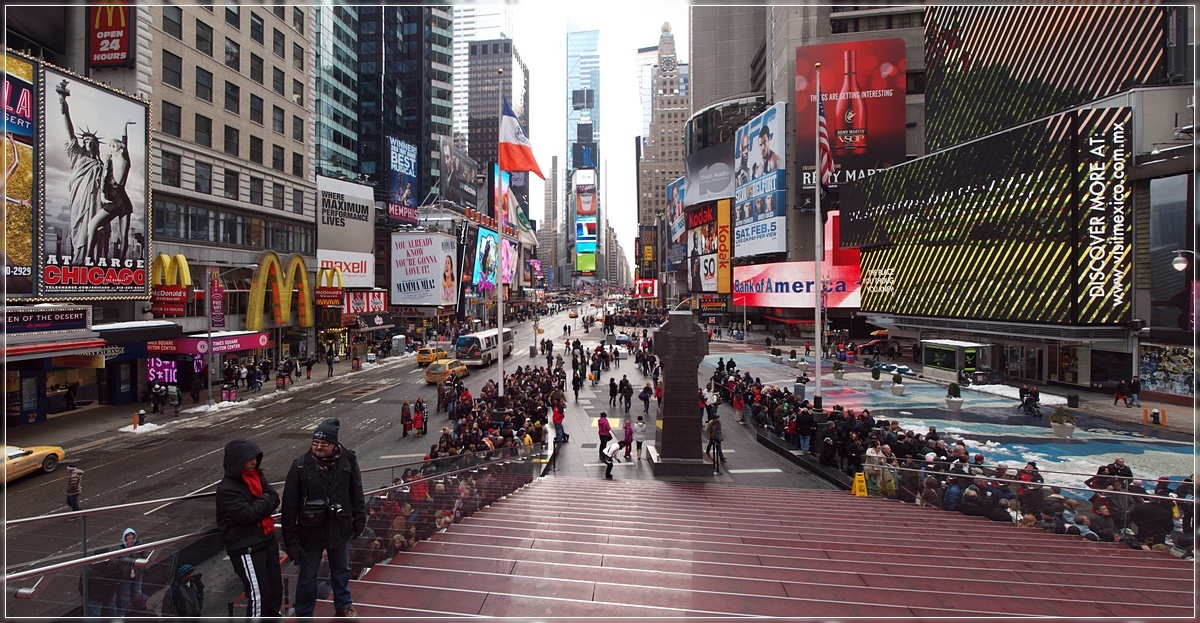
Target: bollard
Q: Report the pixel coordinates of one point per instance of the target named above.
(135, 421)
(1145, 416)
(1164, 417)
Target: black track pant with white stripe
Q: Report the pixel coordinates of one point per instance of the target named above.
(259, 570)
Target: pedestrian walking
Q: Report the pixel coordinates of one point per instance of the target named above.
(406, 422)
(612, 392)
(715, 436)
(329, 362)
(604, 428)
(639, 435)
(308, 366)
(245, 503)
(628, 442)
(626, 389)
(645, 395)
(74, 486)
(1135, 388)
(323, 509)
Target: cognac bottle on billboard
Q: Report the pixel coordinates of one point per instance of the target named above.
(851, 110)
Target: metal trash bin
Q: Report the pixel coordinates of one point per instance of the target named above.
(229, 393)
(356, 364)
(280, 382)
(1073, 401)
(799, 390)
(533, 350)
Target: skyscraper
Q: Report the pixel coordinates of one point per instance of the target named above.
(335, 96)
(662, 146)
(487, 57)
(473, 22)
(583, 85)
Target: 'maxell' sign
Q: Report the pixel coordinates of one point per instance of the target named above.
(110, 36)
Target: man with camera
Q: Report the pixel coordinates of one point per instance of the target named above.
(323, 509)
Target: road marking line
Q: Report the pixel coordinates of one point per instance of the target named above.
(371, 401)
(765, 470)
(328, 400)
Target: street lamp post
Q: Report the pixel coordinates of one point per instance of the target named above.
(209, 302)
(1180, 263)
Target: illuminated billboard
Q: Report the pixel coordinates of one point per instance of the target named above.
(863, 85)
(458, 175)
(586, 199)
(709, 175)
(21, 174)
(709, 266)
(992, 67)
(790, 285)
(760, 175)
(1029, 225)
(487, 259)
(424, 269)
(645, 288)
(346, 230)
(676, 225)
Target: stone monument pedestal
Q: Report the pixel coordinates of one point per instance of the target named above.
(680, 345)
(681, 467)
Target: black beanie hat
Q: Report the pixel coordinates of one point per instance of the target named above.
(328, 430)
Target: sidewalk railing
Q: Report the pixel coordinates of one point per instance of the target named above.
(48, 557)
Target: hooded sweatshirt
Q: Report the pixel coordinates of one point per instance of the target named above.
(240, 513)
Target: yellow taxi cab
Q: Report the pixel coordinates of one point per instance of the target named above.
(21, 461)
(573, 315)
(441, 370)
(430, 354)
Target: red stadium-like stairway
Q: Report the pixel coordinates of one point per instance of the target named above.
(567, 547)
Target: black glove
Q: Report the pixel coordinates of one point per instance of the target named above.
(295, 553)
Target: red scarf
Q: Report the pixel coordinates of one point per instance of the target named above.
(255, 485)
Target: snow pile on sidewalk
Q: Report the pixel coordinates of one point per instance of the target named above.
(1015, 393)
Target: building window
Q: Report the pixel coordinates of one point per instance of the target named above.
(298, 164)
(278, 44)
(914, 82)
(297, 56)
(204, 37)
(256, 109)
(298, 19)
(256, 68)
(203, 130)
(204, 80)
(256, 150)
(171, 165)
(297, 129)
(172, 70)
(233, 54)
(298, 92)
(256, 191)
(233, 15)
(298, 200)
(232, 184)
(279, 11)
(256, 28)
(277, 80)
(233, 140)
(277, 119)
(171, 119)
(233, 98)
(204, 178)
(277, 157)
(173, 21)
(277, 196)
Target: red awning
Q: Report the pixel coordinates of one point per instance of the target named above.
(22, 352)
(789, 320)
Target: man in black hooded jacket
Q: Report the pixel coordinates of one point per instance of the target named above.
(245, 502)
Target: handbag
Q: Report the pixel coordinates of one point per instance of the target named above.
(313, 512)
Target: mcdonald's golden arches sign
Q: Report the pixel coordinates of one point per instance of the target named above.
(170, 280)
(110, 34)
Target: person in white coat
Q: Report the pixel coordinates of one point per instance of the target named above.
(639, 435)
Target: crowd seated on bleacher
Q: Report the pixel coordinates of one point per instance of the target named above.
(922, 468)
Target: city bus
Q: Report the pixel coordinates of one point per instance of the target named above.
(479, 349)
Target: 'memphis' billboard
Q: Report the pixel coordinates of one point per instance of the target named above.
(1028, 225)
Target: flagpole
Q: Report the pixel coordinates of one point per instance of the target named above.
(500, 405)
(819, 247)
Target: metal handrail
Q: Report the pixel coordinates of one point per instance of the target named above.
(122, 552)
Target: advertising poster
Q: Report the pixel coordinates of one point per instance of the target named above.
(702, 249)
(863, 85)
(585, 262)
(585, 192)
(724, 251)
(1104, 216)
(424, 269)
(487, 259)
(790, 284)
(760, 176)
(346, 230)
(95, 217)
(402, 185)
(458, 175)
(709, 175)
(20, 170)
(498, 200)
(645, 288)
(509, 254)
(676, 225)
(468, 235)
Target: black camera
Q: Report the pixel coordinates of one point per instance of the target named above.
(336, 510)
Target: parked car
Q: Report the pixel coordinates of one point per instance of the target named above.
(430, 354)
(441, 370)
(623, 338)
(573, 315)
(21, 461)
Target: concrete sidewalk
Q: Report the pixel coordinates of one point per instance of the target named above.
(80, 429)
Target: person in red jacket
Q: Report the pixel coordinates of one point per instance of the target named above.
(557, 418)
